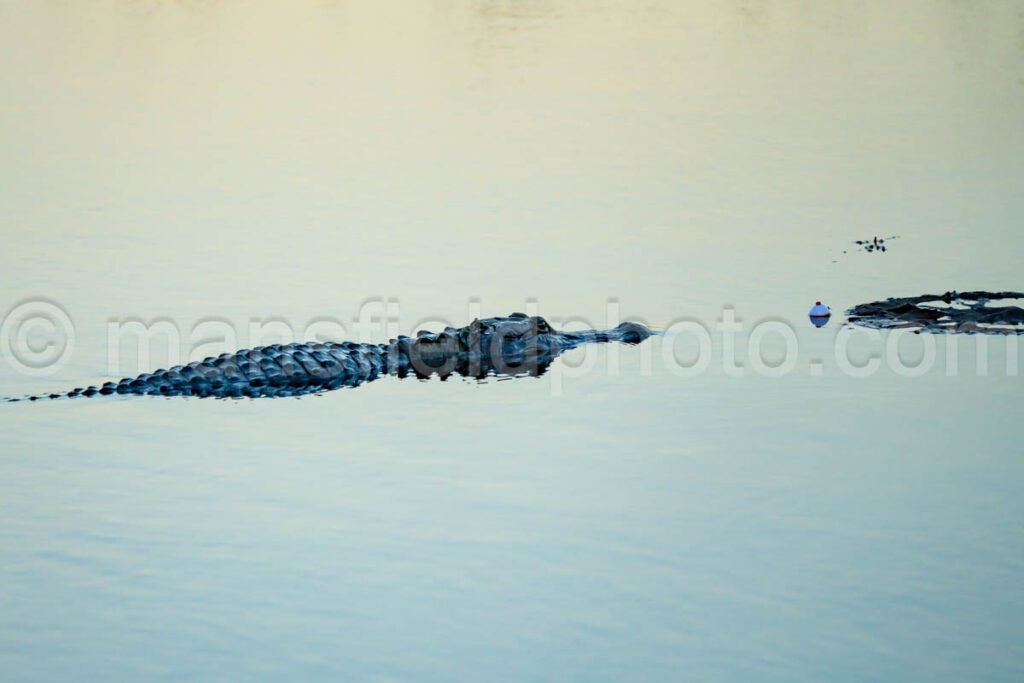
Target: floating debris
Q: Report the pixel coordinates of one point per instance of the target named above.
(954, 312)
(874, 244)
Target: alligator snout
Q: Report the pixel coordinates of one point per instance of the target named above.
(632, 333)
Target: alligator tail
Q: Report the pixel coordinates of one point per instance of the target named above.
(78, 392)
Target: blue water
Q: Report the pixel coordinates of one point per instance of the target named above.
(617, 518)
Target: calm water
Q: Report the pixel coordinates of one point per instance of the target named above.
(232, 164)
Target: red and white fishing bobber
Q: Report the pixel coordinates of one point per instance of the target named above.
(820, 314)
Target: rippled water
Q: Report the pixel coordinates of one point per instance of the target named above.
(619, 518)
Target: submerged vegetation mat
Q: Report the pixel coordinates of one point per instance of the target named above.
(955, 312)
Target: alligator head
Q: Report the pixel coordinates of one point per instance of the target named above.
(513, 345)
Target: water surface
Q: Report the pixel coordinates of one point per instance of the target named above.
(216, 161)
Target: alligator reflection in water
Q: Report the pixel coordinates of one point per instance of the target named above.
(513, 346)
(957, 312)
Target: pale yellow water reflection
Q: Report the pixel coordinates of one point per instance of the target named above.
(291, 160)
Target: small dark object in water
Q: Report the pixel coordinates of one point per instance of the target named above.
(972, 315)
(874, 244)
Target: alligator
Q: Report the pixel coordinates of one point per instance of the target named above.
(954, 312)
(515, 345)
